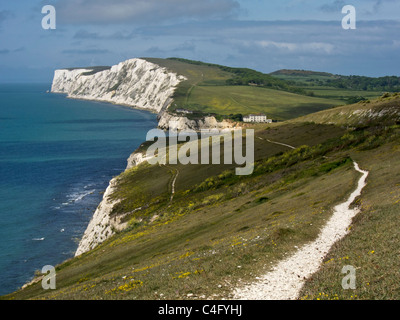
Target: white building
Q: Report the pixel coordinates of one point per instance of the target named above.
(257, 118)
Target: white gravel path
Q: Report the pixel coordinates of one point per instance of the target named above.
(286, 279)
(282, 144)
(173, 185)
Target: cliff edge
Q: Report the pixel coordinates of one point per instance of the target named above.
(135, 83)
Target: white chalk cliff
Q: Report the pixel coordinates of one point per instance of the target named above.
(135, 82)
(168, 121)
(101, 226)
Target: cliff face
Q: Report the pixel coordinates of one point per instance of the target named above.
(168, 121)
(135, 82)
(101, 226)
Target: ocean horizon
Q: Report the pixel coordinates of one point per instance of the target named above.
(57, 156)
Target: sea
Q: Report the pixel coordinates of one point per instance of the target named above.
(57, 156)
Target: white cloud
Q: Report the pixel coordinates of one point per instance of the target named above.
(141, 11)
(312, 47)
(279, 45)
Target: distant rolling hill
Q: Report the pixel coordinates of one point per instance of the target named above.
(349, 89)
(290, 72)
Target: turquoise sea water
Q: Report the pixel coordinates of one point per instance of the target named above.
(57, 156)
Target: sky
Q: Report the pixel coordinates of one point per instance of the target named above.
(266, 35)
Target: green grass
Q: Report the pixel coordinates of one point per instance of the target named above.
(206, 91)
(222, 230)
(318, 84)
(382, 111)
(304, 79)
(208, 246)
(342, 94)
(278, 105)
(372, 246)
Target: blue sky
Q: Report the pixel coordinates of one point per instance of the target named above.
(259, 34)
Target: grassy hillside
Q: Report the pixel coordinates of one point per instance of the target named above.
(215, 89)
(220, 230)
(376, 112)
(286, 94)
(373, 243)
(349, 89)
(229, 92)
(278, 105)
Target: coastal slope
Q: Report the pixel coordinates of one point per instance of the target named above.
(221, 232)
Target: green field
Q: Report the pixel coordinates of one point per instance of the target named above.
(335, 93)
(207, 92)
(317, 83)
(278, 105)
